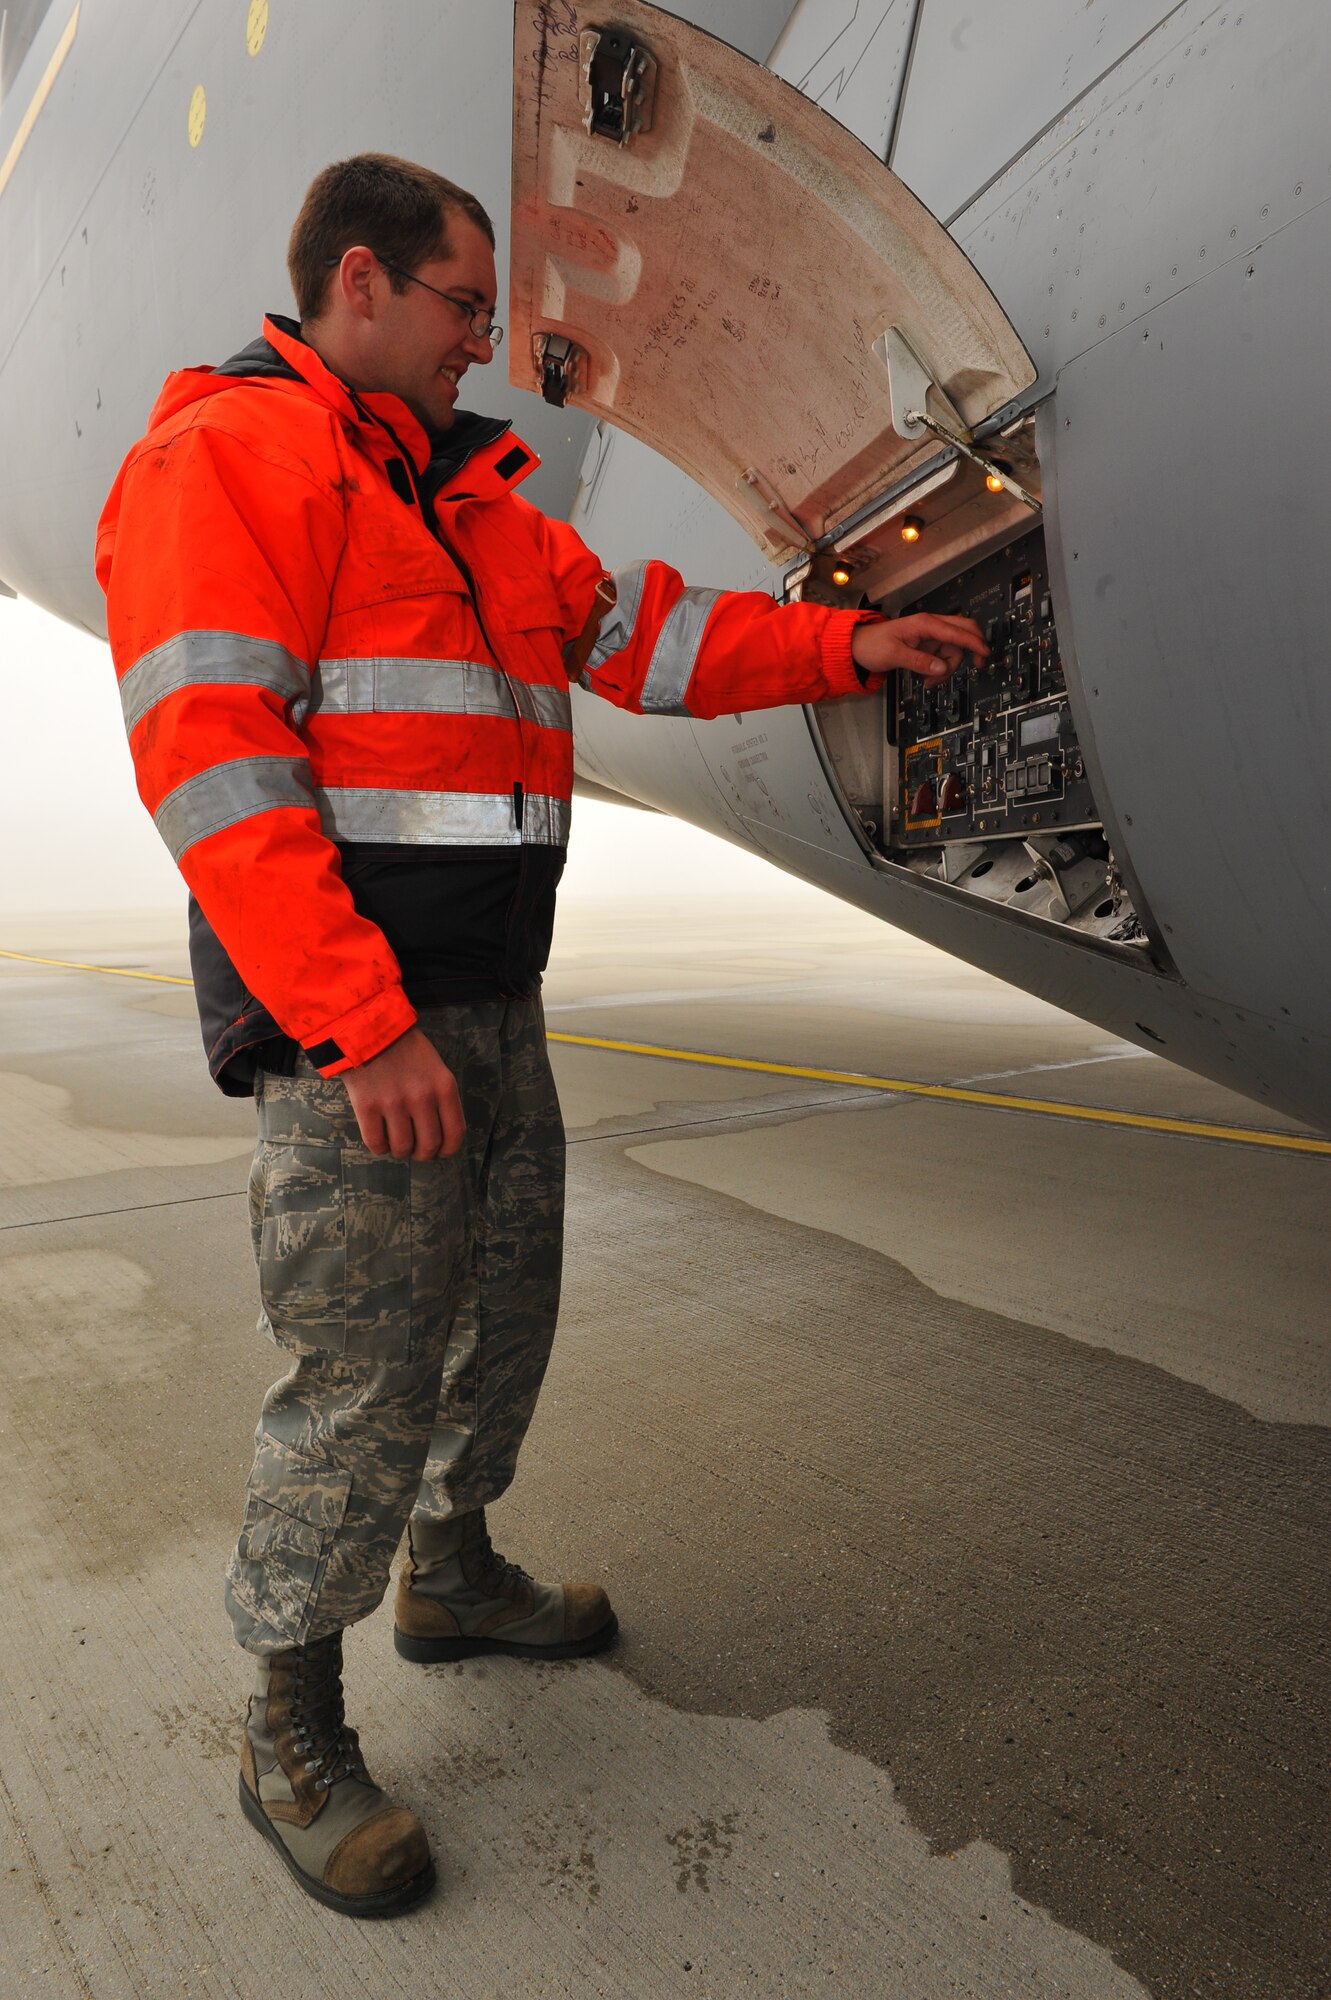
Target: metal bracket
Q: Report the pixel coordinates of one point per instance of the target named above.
(908, 381)
(558, 366)
(618, 85)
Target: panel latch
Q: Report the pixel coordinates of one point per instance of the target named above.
(558, 366)
(618, 84)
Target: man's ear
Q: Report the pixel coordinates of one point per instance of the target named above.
(354, 280)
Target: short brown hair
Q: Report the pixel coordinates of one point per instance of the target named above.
(397, 209)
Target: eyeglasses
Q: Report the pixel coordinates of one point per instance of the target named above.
(480, 319)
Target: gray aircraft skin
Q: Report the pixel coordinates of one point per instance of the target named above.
(1123, 206)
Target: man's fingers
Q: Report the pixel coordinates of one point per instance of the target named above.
(950, 625)
(373, 1130)
(401, 1134)
(452, 1119)
(929, 664)
(948, 630)
(428, 1130)
(406, 1101)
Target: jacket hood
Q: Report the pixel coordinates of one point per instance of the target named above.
(181, 388)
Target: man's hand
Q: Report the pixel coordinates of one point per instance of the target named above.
(926, 643)
(406, 1100)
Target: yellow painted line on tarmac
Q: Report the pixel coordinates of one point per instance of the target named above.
(991, 1100)
(1234, 1135)
(112, 971)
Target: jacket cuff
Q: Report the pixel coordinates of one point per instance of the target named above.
(839, 669)
(364, 1032)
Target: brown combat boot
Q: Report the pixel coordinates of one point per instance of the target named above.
(304, 1785)
(455, 1596)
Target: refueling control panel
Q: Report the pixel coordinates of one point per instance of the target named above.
(977, 781)
(993, 750)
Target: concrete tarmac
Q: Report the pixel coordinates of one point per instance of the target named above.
(960, 1475)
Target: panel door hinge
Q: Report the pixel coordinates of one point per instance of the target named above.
(618, 85)
(910, 384)
(559, 366)
(909, 381)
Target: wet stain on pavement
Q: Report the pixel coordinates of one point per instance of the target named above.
(193, 1727)
(559, 1839)
(1077, 1608)
(698, 1847)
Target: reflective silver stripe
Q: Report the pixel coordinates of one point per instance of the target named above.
(442, 819)
(545, 820)
(226, 793)
(214, 659)
(433, 687)
(676, 653)
(616, 628)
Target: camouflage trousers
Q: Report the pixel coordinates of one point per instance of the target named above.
(417, 1302)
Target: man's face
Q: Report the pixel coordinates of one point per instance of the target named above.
(422, 345)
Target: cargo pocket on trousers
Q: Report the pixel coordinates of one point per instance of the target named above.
(334, 1236)
(376, 1196)
(293, 1509)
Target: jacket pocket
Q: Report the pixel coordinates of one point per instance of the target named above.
(525, 602)
(378, 569)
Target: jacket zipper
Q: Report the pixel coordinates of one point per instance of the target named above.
(435, 531)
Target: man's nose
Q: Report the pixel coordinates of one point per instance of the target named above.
(479, 347)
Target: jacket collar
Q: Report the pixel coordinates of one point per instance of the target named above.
(439, 457)
(289, 344)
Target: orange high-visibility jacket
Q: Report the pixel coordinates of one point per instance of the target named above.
(318, 651)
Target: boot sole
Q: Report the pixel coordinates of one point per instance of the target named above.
(430, 1652)
(378, 1903)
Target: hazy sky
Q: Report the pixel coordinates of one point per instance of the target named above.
(76, 838)
(72, 831)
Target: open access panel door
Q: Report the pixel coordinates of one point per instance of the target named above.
(706, 259)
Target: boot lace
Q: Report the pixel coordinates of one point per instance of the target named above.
(318, 1715)
(495, 1570)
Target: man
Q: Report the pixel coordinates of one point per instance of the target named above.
(344, 647)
